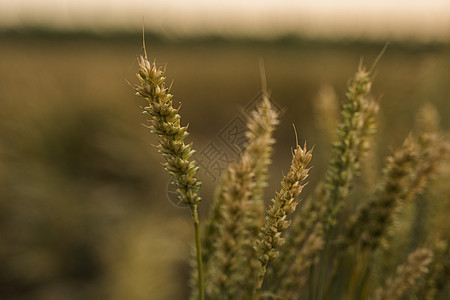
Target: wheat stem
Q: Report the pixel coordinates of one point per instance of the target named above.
(311, 290)
(324, 266)
(199, 251)
(358, 275)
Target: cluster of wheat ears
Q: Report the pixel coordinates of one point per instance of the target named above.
(248, 250)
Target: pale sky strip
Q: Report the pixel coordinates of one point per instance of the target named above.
(382, 18)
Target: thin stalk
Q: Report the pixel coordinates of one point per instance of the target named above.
(262, 272)
(323, 268)
(199, 251)
(311, 282)
(359, 275)
(330, 284)
(363, 285)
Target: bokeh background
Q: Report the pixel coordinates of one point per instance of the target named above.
(85, 209)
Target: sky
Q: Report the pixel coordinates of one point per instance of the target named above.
(427, 20)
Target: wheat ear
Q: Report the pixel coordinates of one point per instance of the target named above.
(369, 226)
(261, 124)
(282, 205)
(326, 110)
(406, 275)
(434, 149)
(436, 277)
(406, 173)
(224, 268)
(358, 123)
(226, 221)
(165, 123)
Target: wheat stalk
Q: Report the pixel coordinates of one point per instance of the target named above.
(165, 124)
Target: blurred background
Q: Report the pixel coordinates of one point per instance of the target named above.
(86, 211)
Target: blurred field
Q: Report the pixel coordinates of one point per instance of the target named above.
(84, 212)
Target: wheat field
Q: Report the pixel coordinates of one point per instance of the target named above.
(85, 206)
